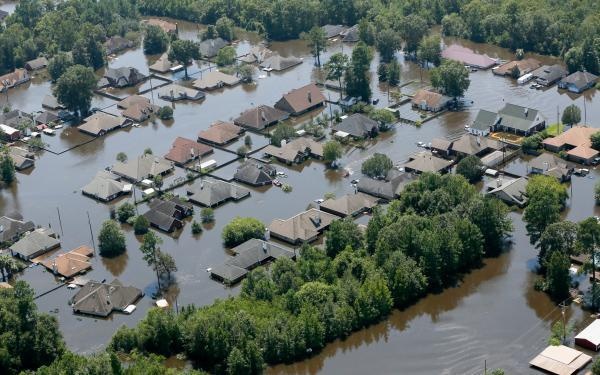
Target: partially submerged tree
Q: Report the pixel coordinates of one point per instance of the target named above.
(377, 166)
(571, 115)
(155, 40)
(470, 168)
(317, 42)
(336, 68)
(241, 229)
(74, 89)
(451, 78)
(332, 151)
(111, 240)
(184, 52)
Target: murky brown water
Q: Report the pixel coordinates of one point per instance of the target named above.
(494, 315)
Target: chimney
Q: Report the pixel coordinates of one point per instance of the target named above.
(267, 234)
(498, 182)
(526, 111)
(264, 247)
(309, 97)
(172, 95)
(54, 267)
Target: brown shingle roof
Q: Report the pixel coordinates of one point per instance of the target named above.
(304, 226)
(184, 150)
(220, 133)
(525, 66)
(301, 99)
(574, 137)
(261, 117)
(70, 264)
(431, 98)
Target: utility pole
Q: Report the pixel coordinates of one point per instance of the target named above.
(564, 326)
(60, 222)
(91, 232)
(584, 111)
(557, 121)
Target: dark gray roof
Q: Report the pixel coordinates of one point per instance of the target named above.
(161, 220)
(116, 44)
(580, 79)
(351, 34)
(33, 244)
(484, 120)
(279, 63)
(14, 118)
(210, 47)
(333, 30)
(46, 118)
(121, 77)
(552, 165)
(228, 273)
(261, 117)
(385, 189)
(254, 173)
(50, 102)
(550, 73)
(104, 186)
(511, 190)
(211, 193)
(102, 299)
(357, 125)
(518, 117)
(255, 252)
(12, 226)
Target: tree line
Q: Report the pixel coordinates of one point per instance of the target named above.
(438, 230)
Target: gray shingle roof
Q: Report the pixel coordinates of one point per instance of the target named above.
(104, 186)
(279, 63)
(484, 120)
(142, 167)
(210, 47)
(518, 117)
(102, 299)
(34, 244)
(357, 125)
(580, 79)
(12, 226)
(254, 174)
(261, 117)
(349, 204)
(211, 193)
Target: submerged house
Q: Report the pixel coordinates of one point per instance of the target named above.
(71, 264)
(121, 77)
(186, 150)
(358, 126)
(220, 133)
(519, 120)
(548, 75)
(34, 244)
(575, 142)
(430, 101)
(164, 65)
(174, 93)
(13, 226)
(523, 67)
(303, 227)
(167, 215)
(261, 117)
(424, 161)
(9, 134)
(116, 44)
(105, 187)
(301, 100)
(255, 173)
(10, 80)
(278, 63)
(137, 108)
(578, 82)
(101, 123)
(36, 64)
(349, 205)
(210, 48)
(212, 193)
(214, 80)
(468, 57)
(101, 299)
(510, 190)
(551, 165)
(295, 151)
(22, 158)
(166, 26)
(143, 167)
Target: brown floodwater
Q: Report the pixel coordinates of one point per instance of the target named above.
(494, 315)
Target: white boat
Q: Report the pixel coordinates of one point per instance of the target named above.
(58, 126)
(48, 131)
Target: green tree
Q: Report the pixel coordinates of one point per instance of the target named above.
(88, 50)
(470, 168)
(597, 193)
(150, 249)
(451, 78)
(393, 74)
(196, 227)
(111, 240)
(184, 51)
(122, 157)
(559, 237)
(58, 65)
(357, 77)
(7, 167)
(430, 51)
(155, 40)
(382, 72)
(571, 115)
(387, 43)
(141, 225)
(8, 266)
(412, 29)
(532, 143)
(596, 367)
(148, 151)
(281, 132)
(342, 234)
(377, 166)
(226, 56)
(332, 151)
(336, 68)
(595, 139)
(125, 211)
(33, 338)
(210, 33)
(225, 29)
(246, 72)
(241, 229)
(207, 215)
(384, 117)
(405, 279)
(74, 89)
(557, 276)
(546, 198)
(588, 239)
(165, 113)
(317, 42)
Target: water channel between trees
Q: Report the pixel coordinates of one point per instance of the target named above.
(494, 314)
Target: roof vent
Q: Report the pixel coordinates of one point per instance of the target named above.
(264, 247)
(309, 97)
(526, 111)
